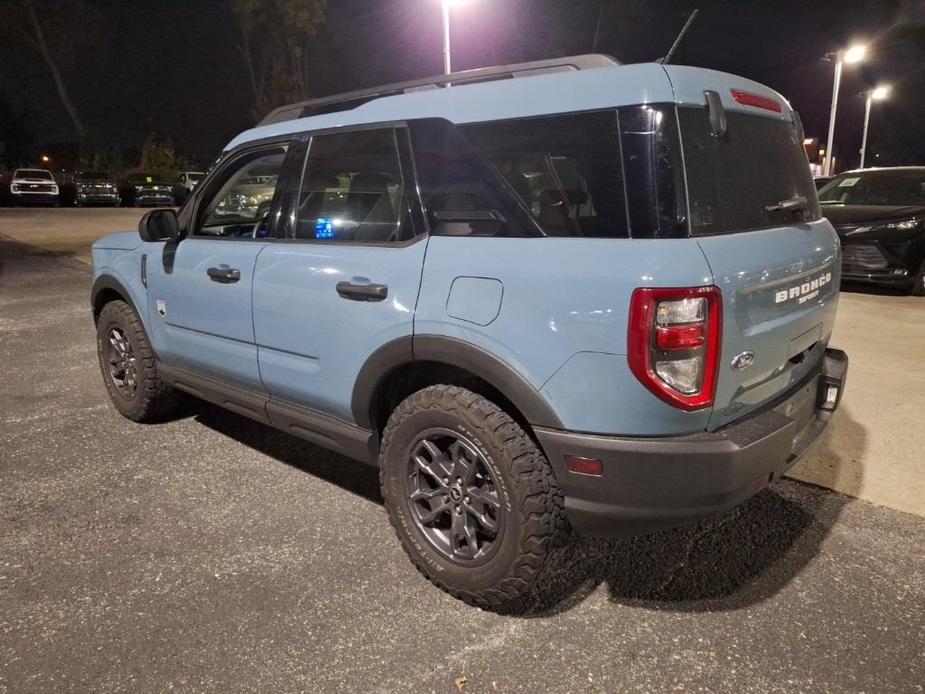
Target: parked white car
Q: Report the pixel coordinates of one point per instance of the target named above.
(34, 186)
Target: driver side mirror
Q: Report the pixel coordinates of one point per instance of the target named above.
(159, 225)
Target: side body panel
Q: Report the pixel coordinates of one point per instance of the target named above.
(562, 322)
(206, 326)
(312, 342)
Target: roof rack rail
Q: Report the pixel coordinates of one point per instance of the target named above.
(350, 100)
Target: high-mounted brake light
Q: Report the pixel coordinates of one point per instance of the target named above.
(674, 342)
(756, 100)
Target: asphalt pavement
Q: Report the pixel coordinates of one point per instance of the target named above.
(211, 553)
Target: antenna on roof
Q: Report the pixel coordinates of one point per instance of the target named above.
(677, 41)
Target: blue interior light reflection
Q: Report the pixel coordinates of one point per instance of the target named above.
(324, 228)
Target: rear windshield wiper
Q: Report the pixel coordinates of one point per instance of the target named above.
(789, 205)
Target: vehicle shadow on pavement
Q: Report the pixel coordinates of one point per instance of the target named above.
(24, 254)
(723, 563)
(349, 475)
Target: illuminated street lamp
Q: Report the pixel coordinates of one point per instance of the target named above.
(447, 4)
(45, 159)
(854, 54)
(876, 94)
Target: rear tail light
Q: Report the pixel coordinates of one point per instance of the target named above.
(674, 343)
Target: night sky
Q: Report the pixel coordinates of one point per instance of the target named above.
(173, 68)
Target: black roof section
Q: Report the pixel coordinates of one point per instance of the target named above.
(350, 100)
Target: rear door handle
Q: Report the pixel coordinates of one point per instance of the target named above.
(224, 274)
(362, 292)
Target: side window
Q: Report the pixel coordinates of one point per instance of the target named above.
(353, 190)
(460, 192)
(567, 169)
(240, 207)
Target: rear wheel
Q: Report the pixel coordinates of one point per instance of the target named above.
(129, 367)
(473, 500)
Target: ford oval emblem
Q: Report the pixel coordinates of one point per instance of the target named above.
(742, 361)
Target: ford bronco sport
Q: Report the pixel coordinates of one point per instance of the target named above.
(595, 297)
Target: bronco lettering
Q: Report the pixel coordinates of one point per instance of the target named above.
(804, 291)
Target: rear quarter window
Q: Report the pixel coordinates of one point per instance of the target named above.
(565, 169)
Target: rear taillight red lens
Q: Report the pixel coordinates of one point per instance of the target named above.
(674, 343)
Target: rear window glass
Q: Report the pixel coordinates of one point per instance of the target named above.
(733, 179)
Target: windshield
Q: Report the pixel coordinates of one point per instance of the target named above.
(34, 173)
(91, 175)
(885, 187)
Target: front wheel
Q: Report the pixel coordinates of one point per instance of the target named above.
(129, 366)
(473, 500)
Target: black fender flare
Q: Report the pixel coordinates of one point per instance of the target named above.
(104, 282)
(447, 350)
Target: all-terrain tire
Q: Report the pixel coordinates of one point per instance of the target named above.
(152, 399)
(535, 525)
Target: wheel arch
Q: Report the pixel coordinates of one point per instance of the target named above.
(408, 364)
(107, 288)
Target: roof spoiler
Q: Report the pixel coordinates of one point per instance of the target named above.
(350, 100)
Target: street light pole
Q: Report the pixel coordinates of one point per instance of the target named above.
(877, 93)
(854, 54)
(866, 123)
(447, 65)
(827, 162)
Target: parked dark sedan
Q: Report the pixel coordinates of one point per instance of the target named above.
(879, 215)
(141, 189)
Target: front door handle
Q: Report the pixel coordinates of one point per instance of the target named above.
(362, 292)
(224, 274)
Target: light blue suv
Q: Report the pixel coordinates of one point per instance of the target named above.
(561, 295)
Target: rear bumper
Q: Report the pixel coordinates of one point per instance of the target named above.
(655, 483)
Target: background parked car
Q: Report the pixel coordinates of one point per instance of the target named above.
(879, 215)
(144, 189)
(820, 181)
(34, 186)
(92, 188)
